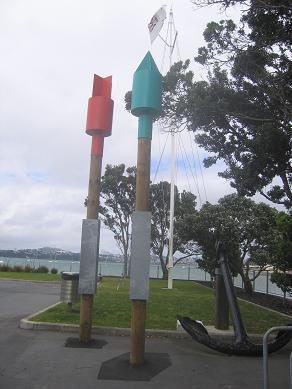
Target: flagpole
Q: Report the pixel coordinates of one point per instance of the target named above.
(173, 168)
(154, 27)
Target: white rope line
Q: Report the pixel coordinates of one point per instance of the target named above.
(161, 155)
(195, 178)
(185, 168)
(201, 170)
(192, 142)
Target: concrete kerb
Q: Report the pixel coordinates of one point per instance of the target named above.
(28, 324)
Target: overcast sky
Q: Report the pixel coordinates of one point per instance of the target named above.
(50, 51)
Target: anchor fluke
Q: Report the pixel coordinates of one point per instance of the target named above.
(246, 348)
(241, 345)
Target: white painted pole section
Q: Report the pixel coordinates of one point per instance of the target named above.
(173, 160)
(171, 213)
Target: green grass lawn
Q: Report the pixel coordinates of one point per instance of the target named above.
(30, 276)
(112, 307)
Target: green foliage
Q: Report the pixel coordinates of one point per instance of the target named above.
(42, 269)
(5, 268)
(283, 281)
(29, 276)
(25, 269)
(17, 268)
(28, 269)
(184, 205)
(118, 188)
(54, 271)
(255, 63)
(242, 113)
(247, 229)
(282, 275)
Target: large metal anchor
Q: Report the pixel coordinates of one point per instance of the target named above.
(241, 345)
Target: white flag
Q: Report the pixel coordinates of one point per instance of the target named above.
(156, 23)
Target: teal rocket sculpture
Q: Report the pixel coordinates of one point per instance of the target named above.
(146, 95)
(146, 103)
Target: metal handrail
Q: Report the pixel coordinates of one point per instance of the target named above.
(266, 354)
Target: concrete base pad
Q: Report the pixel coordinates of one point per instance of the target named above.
(120, 369)
(93, 343)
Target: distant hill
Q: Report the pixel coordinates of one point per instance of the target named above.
(55, 253)
(41, 253)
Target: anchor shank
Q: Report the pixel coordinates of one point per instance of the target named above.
(239, 330)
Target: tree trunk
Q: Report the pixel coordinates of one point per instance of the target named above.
(247, 283)
(163, 268)
(248, 288)
(125, 272)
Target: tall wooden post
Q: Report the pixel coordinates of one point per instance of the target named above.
(99, 125)
(86, 300)
(146, 102)
(142, 204)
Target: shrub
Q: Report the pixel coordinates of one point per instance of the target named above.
(54, 271)
(17, 269)
(28, 269)
(42, 269)
(5, 268)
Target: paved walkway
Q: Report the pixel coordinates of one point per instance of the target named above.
(39, 360)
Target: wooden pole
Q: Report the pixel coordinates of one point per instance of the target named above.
(142, 204)
(86, 301)
(94, 186)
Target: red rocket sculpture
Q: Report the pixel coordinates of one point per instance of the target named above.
(99, 125)
(100, 113)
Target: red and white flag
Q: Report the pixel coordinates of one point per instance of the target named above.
(156, 23)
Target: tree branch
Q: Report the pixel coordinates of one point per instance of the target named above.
(287, 187)
(270, 199)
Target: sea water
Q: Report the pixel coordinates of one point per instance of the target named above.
(182, 272)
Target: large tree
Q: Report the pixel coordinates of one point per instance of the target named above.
(118, 190)
(282, 276)
(247, 229)
(118, 203)
(185, 204)
(242, 113)
(248, 4)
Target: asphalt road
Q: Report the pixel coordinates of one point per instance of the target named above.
(39, 360)
(18, 300)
